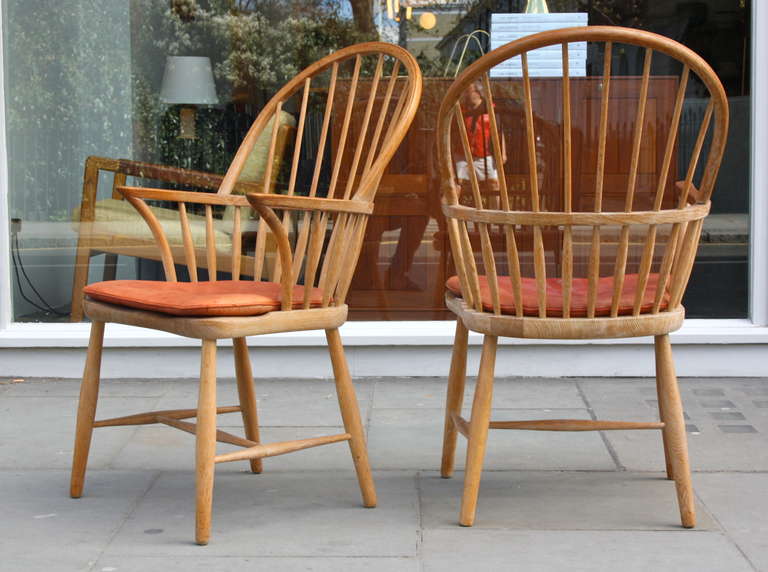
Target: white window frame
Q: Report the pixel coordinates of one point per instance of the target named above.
(750, 332)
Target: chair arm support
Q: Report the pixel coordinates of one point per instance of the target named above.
(284, 252)
(183, 196)
(309, 203)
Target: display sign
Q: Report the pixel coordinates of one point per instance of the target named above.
(544, 62)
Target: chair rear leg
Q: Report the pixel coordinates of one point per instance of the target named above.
(350, 413)
(478, 431)
(79, 279)
(205, 448)
(454, 398)
(674, 429)
(664, 435)
(110, 266)
(245, 390)
(86, 409)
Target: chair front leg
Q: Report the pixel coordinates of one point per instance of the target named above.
(674, 429)
(86, 409)
(247, 395)
(350, 413)
(205, 448)
(478, 431)
(454, 398)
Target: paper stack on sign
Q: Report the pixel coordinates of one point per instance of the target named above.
(544, 62)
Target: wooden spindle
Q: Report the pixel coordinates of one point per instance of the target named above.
(237, 241)
(513, 263)
(317, 236)
(324, 130)
(497, 144)
(272, 145)
(345, 128)
(621, 256)
(382, 117)
(694, 161)
(474, 183)
(567, 274)
(299, 136)
(189, 247)
(210, 243)
(490, 268)
(594, 255)
(351, 177)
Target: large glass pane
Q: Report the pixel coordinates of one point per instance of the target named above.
(96, 78)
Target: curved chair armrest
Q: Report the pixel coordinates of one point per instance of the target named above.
(309, 203)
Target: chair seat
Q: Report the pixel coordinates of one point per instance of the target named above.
(221, 298)
(579, 291)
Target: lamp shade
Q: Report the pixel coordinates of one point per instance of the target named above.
(188, 80)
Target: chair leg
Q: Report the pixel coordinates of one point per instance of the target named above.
(205, 449)
(86, 409)
(247, 396)
(350, 413)
(454, 398)
(478, 431)
(664, 435)
(675, 429)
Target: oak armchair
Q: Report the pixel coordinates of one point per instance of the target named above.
(626, 243)
(314, 265)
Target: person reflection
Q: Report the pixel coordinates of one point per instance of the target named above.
(477, 123)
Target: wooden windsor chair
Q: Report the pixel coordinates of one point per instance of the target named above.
(638, 252)
(318, 242)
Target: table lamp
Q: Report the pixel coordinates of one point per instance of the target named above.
(188, 81)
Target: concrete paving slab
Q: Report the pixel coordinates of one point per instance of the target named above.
(119, 563)
(38, 432)
(464, 549)
(719, 439)
(276, 514)
(156, 447)
(107, 388)
(42, 528)
(281, 403)
(511, 393)
(559, 501)
(739, 501)
(413, 438)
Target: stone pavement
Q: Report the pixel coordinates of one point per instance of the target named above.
(548, 501)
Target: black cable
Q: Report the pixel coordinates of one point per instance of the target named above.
(18, 264)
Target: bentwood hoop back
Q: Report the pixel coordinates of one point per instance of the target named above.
(307, 242)
(590, 233)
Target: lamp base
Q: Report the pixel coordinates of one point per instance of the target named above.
(187, 123)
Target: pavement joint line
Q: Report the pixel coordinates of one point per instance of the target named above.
(131, 509)
(611, 451)
(726, 534)
(419, 520)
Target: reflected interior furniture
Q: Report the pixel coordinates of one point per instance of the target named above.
(597, 288)
(315, 267)
(112, 227)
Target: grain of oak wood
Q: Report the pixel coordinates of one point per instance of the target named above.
(525, 253)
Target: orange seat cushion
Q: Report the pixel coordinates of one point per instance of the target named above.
(555, 295)
(221, 298)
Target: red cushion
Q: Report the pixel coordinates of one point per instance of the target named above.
(221, 298)
(555, 295)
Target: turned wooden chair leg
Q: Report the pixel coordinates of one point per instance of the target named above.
(86, 409)
(664, 434)
(205, 449)
(245, 390)
(669, 397)
(454, 398)
(478, 431)
(79, 280)
(350, 413)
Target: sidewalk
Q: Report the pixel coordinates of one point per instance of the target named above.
(548, 500)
